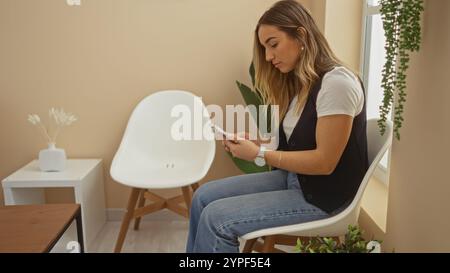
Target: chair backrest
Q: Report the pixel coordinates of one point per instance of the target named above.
(149, 152)
(377, 146)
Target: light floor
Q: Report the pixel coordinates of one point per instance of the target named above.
(155, 236)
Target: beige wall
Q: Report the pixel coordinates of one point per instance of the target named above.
(418, 209)
(318, 10)
(343, 26)
(341, 23)
(99, 60)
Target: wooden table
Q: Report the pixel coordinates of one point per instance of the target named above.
(37, 228)
(27, 185)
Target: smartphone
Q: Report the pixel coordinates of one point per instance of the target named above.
(226, 135)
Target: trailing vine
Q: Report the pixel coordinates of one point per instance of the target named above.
(401, 23)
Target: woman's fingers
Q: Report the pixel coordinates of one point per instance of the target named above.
(228, 145)
(225, 146)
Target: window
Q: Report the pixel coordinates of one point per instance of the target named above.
(374, 57)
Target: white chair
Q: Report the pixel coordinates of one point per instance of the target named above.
(336, 225)
(149, 157)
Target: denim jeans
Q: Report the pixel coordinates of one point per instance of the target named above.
(224, 209)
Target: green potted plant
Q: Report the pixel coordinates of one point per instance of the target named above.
(251, 98)
(353, 243)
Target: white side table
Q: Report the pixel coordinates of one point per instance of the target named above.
(85, 176)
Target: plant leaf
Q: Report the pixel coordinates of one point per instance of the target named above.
(252, 73)
(248, 167)
(250, 97)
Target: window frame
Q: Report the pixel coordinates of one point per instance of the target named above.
(381, 173)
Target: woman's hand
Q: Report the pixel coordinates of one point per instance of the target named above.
(247, 136)
(244, 135)
(241, 147)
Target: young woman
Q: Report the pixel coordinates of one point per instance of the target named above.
(322, 153)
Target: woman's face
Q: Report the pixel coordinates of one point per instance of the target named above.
(281, 50)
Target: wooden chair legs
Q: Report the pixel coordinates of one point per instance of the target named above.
(141, 204)
(127, 219)
(194, 187)
(187, 198)
(269, 244)
(136, 210)
(249, 245)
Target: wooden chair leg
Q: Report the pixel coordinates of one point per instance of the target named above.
(187, 198)
(141, 204)
(269, 243)
(248, 247)
(194, 187)
(288, 240)
(127, 219)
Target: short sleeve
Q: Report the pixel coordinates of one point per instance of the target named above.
(341, 93)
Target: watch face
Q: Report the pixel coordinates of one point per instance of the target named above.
(260, 161)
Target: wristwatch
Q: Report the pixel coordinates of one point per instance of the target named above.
(260, 160)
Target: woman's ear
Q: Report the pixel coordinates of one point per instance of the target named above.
(302, 32)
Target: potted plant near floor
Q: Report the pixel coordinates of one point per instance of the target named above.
(353, 243)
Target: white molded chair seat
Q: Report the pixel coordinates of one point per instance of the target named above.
(336, 225)
(151, 157)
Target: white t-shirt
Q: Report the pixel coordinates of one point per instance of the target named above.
(341, 93)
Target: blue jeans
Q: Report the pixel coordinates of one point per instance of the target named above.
(225, 209)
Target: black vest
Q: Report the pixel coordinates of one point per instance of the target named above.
(337, 190)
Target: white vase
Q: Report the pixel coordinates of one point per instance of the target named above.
(52, 159)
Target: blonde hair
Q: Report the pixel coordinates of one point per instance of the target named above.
(317, 57)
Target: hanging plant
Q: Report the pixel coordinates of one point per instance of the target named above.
(401, 23)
